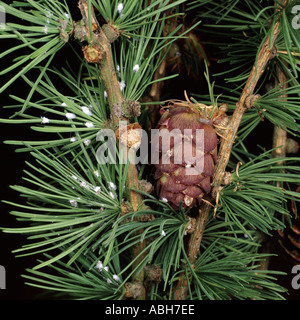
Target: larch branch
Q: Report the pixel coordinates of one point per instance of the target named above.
(101, 44)
(265, 53)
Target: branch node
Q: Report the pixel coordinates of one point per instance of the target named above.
(79, 31)
(92, 54)
(128, 109)
(130, 135)
(153, 273)
(131, 109)
(249, 101)
(133, 290)
(117, 110)
(292, 146)
(227, 178)
(111, 32)
(146, 186)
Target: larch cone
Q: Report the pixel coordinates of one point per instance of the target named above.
(180, 178)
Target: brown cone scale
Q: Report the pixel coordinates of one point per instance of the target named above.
(175, 183)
